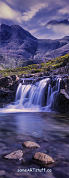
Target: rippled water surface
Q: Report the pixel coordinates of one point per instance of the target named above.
(50, 130)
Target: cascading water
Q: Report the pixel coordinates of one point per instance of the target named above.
(36, 97)
(40, 95)
(31, 95)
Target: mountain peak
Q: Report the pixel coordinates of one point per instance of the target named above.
(4, 26)
(14, 32)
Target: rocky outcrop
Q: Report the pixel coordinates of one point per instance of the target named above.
(62, 101)
(8, 87)
(6, 95)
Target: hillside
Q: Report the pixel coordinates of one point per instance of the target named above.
(59, 65)
(19, 48)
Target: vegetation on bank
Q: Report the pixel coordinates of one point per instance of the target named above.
(50, 65)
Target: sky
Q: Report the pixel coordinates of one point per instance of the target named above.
(44, 19)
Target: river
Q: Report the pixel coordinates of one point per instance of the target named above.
(49, 130)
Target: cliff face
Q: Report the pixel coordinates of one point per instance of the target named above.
(18, 47)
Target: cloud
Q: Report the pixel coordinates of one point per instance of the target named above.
(64, 10)
(9, 1)
(33, 11)
(33, 31)
(58, 22)
(6, 12)
(43, 24)
(43, 18)
(60, 30)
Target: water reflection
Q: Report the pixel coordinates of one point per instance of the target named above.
(32, 123)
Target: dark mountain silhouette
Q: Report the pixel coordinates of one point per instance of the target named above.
(18, 47)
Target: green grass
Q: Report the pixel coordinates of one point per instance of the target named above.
(37, 68)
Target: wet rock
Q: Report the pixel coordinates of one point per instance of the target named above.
(15, 155)
(43, 158)
(61, 103)
(64, 93)
(2, 173)
(62, 84)
(29, 144)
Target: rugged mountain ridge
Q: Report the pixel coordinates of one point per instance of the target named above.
(18, 47)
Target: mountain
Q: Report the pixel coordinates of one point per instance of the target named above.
(18, 47)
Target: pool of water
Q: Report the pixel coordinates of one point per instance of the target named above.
(49, 130)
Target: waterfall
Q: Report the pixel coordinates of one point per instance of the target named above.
(28, 95)
(39, 95)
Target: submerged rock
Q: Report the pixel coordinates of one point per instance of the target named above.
(43, 158)
(15, 155)
(2, 173)
(29, 144)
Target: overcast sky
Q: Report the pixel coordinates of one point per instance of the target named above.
(42, 18)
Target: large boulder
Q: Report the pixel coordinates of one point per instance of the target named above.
(61, 103)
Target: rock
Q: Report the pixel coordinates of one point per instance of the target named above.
(43, 158)
(6, 95)
(8, 87)
(62, 84)
(64, 93)
(5, 81)
(29, 144)
(15, 155)
(2, 173)
(61, 103)
(14, 77)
